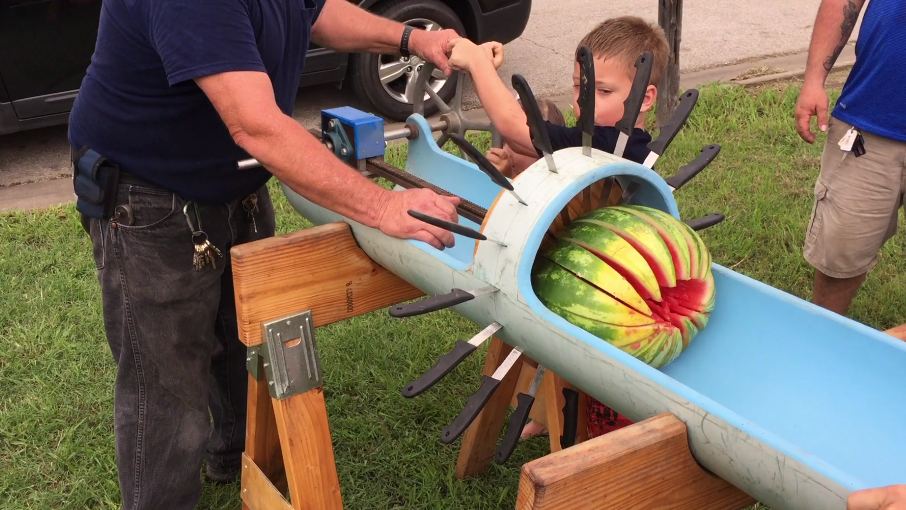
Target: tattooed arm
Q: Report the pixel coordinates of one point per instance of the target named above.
(834, 24)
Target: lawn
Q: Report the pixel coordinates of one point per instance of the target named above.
(56, 372)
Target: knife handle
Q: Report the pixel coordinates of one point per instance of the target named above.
(474, 405)
(570, 418)
(448, 225)
(445, 364)
(431, 304)
(676, 122)
(533, 117)
(633, 103)
(514, 429)
(586, 90)
(486, 166)
(708, 220)
(687, 172)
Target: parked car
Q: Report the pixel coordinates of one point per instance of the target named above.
(46, 46)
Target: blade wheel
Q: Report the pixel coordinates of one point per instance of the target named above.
(453, 116)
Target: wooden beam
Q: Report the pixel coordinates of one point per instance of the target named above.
(645, 465)
(258, 493)
(321, 269)
(480, 440)
(262, 441)
(311, 468)
(670, 18)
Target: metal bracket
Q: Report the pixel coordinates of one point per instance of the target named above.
(254, 360)
(291, 360)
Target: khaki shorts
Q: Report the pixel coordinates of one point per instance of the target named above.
(856, 204)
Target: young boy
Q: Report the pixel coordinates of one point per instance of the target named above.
(615, 45)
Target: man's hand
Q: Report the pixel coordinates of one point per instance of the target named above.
(432, 46)
(892, 497)
(394, 219)
(813, 101)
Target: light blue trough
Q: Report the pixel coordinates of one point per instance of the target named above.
(793, 404)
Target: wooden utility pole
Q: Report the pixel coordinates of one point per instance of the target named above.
(670, 18)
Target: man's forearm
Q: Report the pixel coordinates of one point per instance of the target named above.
(834, 24)
(302, 162)
(343, 26)
(501, 107)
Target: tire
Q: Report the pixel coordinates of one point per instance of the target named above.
(364, 76)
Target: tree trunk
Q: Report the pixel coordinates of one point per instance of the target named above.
(670, 18)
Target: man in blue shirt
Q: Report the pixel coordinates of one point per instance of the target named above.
(177, 92)
(859, 190)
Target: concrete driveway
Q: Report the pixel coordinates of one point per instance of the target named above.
(714, 33)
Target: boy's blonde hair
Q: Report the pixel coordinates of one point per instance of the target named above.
(627, 37)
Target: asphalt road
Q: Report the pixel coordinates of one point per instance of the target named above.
(714, 34)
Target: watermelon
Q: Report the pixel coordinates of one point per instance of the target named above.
(633, 276)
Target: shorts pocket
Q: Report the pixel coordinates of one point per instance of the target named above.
(817, 216)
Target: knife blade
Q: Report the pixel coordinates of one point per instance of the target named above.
(586, 101)
(684, 174)
(484, 165)
(447, 362)
(519, 417)
(439, 302)
(673, 126)
(632, 106)
(453, 227)
(540, 139)
(479, 399)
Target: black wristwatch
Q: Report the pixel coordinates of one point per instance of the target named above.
(404, 41)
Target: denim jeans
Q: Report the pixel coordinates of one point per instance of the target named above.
(181, 379)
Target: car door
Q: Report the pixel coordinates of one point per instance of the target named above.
(45, 48)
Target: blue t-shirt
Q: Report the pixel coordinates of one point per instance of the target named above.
(872, 98)
(139, 107)
(604, 138)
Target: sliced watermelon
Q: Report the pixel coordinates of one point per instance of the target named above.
(618, 336)
(589, 267)
(619, 254)
(561, 288)
(670, 232)
(641, 235)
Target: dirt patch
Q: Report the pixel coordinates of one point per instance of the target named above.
(755, 72)
(835, 80)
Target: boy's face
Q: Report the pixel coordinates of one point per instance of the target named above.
(613, 80)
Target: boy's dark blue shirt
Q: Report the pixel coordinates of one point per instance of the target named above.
(139, 107)
(604, 138)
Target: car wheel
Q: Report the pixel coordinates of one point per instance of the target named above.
(386, 81)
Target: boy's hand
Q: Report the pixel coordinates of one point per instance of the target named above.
(494, 52)
(500, 158)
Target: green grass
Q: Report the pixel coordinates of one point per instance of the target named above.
(56, 372)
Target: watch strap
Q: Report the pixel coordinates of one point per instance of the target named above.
(404, 41)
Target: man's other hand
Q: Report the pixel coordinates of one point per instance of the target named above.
(396, 222)
(812, 101)
(432, 46)
(892, 497)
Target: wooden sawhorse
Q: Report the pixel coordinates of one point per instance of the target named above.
(287, 286)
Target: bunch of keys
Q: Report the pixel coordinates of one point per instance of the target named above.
(853, 142)
(204, 250)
